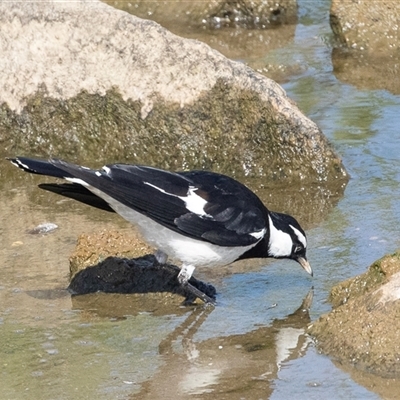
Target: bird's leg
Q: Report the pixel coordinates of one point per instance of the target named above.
(185, 274)
(183, 278)
(161, 257)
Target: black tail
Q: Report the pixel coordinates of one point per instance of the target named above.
(70, 190)
(40, 167)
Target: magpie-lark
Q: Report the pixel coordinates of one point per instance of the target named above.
(200, 218)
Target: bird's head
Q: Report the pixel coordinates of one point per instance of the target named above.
(287, 240)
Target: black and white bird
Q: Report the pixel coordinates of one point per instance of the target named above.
(200, 218)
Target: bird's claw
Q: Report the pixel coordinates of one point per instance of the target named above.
(198, 293)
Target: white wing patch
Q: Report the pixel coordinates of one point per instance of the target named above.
(258, 234)
(280, 243)
(193, 202)
(77, 180)
(300, 236)
(106, 169)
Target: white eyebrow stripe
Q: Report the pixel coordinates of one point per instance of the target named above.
(193, 202)
(300, 236)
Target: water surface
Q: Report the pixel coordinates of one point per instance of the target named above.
(253, 344)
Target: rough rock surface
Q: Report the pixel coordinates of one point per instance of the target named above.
(240, 30)
(368, 25)
(93, 248)
(369, 36)
(86, 81)
(363, 328)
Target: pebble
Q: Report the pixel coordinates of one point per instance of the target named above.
(46, 227)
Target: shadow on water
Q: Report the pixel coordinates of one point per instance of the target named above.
(367, 72)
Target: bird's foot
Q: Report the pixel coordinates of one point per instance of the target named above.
(183, 277)
(198, 293)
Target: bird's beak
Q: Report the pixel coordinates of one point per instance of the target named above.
(305, 264)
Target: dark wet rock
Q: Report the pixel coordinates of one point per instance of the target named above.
(140, 275)
(96, 84)
(362, 330)
(368, 34)
(251, 14)
(216, 14)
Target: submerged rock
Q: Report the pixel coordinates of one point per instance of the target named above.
(362, 330)
(85, 81)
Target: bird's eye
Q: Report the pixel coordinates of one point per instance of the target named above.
(297, 249)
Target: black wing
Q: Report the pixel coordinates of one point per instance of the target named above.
(198, 204)
(237, 215)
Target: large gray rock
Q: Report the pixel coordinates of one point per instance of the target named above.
(89, 82)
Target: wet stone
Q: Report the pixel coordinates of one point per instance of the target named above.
(140, 275)
(367, 36)
(46, 227)
(362, 329)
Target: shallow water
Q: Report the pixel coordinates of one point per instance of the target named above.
(252, 345)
